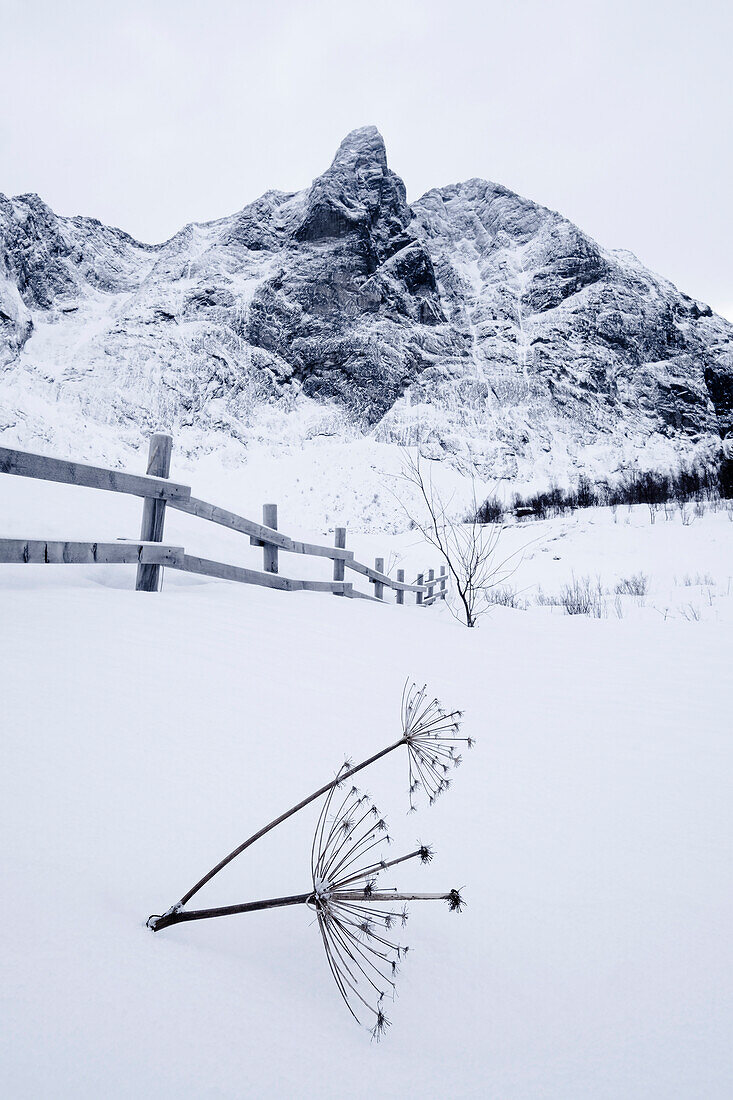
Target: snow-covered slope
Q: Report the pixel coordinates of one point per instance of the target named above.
(475, 322)
(590, 828)
(564, 353)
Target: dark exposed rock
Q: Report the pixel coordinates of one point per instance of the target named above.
(475, 321)
(557, 325)
(719, 382)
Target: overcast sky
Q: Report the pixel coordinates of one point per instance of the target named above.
(150, 115)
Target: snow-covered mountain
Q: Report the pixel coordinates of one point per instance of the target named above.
(473, 321)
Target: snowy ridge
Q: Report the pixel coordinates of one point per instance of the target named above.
(475, 322)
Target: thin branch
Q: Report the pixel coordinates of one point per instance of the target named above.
(468, 548)
(340, 778)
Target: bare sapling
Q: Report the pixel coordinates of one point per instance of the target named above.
(470, 548)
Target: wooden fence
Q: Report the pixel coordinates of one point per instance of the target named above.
(150, 554)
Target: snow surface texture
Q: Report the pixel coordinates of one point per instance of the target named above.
(144, 736)
(476, 323)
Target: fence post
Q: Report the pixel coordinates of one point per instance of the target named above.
(159, 465)
(338, 563)
(400, 591)
(418, 595)
(378, 586)
(269, 552)
(443, 579)
(431, 577)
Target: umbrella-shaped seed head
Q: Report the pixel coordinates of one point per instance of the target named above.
(431, 735)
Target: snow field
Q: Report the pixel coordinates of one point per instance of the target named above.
(145, 735)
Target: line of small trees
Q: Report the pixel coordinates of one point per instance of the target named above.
(696, 482)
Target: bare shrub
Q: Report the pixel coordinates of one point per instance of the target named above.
(582, 596)
(547, 599)
(470, 550)
(703, 481)
(491, 511)
(505, 596)
(690, 581)
(635, 585)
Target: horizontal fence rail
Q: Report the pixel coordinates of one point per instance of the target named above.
(150, 554)
(27, 464)
(224, 572)
(122, 552)
(259, 534)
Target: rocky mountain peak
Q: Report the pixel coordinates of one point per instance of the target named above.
(476, 323)
(363, 147)
(359, 195)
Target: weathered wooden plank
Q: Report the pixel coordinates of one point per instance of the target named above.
(315, 550)
(339, 540)
(400, 597)
(367, 571)
(312, 549)
(226, 572)
(223, 571)
(420, 588)
(374, 575)
(295, 546)
(355, 594)
(159, 464)
(359, 568)
(379, 585)
(440, 594)
(269, 550)
(28, 464)
(121, 552)
(339, 587)
(204, 510)
(258, 532)
(431, 578)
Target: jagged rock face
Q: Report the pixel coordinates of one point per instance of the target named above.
(476, 323)
(556, 339)
(51, 259)
(353, 287)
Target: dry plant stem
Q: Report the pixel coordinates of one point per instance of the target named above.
(274, 903)
(283, 817)
(224, 911)
(358, 895)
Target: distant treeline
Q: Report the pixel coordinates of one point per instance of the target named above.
(700, 481)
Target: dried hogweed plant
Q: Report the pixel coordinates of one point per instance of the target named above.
(431, 736)
(355, 918)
